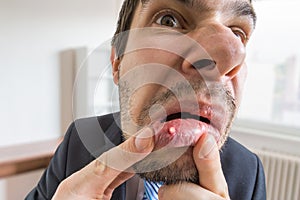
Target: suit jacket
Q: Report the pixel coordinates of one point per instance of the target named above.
(88, 138)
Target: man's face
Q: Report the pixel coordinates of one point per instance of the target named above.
(182, 74)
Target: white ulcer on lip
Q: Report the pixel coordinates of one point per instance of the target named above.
(172, 130)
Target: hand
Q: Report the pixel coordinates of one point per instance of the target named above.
(99, 179)
(213, 185)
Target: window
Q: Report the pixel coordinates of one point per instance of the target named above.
(272, 91)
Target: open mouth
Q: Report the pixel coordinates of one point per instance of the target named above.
(185, 115)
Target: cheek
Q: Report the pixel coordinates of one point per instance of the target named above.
(148, 58)
(238, 83)
(242, 75)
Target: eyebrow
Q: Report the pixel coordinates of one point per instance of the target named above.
(187, 3)
(239, 8)
(243, 8)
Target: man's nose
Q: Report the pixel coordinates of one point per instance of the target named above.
(225, 52)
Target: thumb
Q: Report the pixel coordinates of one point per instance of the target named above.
(207, 159)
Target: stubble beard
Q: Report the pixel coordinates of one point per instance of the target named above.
(157, 166)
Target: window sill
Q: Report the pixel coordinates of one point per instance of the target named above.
(266, 138)
(26, 157)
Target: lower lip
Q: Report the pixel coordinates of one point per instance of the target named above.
(178, 133)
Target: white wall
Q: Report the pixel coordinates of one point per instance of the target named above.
(32, 34)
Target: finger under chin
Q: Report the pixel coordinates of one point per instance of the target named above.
(184, 191)
(207, 160)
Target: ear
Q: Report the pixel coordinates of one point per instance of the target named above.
(115, 63)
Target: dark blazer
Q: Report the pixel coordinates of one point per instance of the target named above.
(88, 138)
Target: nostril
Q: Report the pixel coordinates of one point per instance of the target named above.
(204, 63)
(233, 72)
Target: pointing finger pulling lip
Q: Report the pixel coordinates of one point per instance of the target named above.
(129, 152)
(112, 168)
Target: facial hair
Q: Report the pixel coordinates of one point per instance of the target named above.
(156, 166)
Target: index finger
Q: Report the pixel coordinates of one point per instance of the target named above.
(106, 168)
(207, 159)
(129, 152)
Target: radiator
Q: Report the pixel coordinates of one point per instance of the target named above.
(282, 175)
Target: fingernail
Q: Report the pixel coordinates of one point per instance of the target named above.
(144, 140)
(209, 148)
(100, 166)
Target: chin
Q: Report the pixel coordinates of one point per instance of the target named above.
(169, 166)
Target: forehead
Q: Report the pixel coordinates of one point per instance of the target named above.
(201, 3)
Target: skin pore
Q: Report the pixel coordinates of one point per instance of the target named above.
(162, 72)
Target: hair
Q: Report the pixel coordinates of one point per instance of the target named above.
(123, 25)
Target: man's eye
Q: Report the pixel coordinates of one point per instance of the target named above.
(240, 34)
(168, 20)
